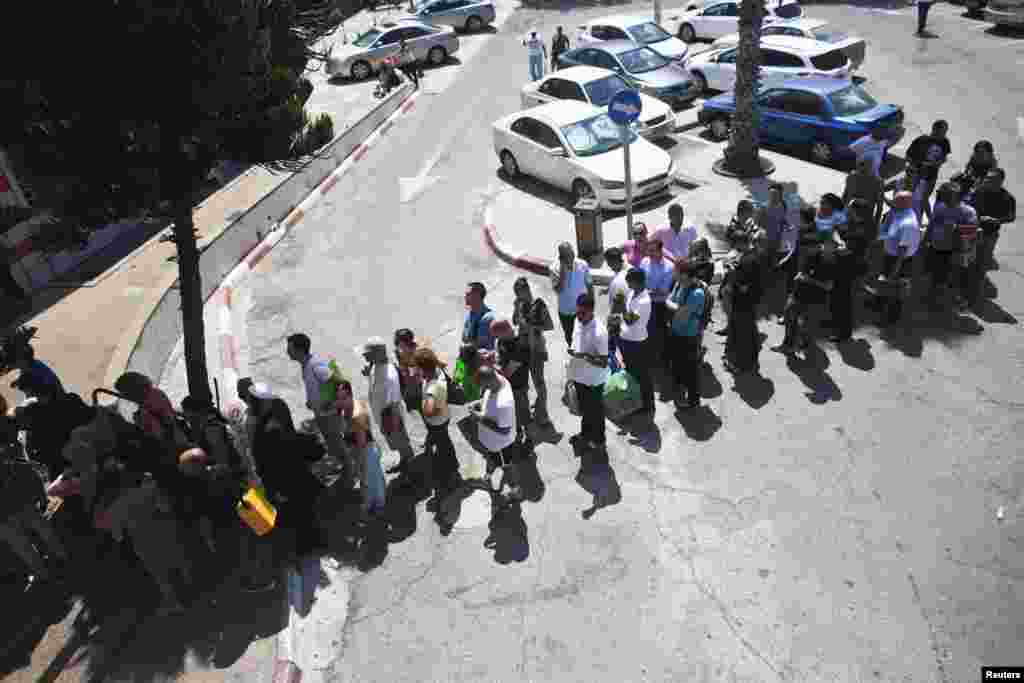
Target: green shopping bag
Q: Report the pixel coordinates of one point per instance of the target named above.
(621, 396)
(464, 379)
(329, 389)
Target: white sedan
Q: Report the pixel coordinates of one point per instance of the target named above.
(815, 29)
(596, 86)
(782, 58)
(569, 145)
(637, 29)
(717, 18)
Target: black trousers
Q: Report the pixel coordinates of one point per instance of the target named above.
(743, 341)
(412, 72)
(522, 403)
(568, 321)
(636, 356)
(591, 401)
(684, 353)
(9, 285)
(444, 466)
(656, 325)
(922, 15)
(841, 308)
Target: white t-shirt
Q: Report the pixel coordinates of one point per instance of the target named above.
(436, 388)
(589, 338)
(901, 229)
(618, 284)
(315, 372)
(500, 406)
(869, 148)
(641, 306)
(576, 282)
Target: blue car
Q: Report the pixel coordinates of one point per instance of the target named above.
(821, 116)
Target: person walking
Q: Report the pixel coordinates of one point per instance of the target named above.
(570, 277)
(513, 363)
(589, 372)
(743, 340)
(559, 44)
(405, 345)
(995, 207)
(386, 402)
(676, 235)
(901, 233)
(408, 63)
(686, 305)
(495, 417)
(923, 6)
(634, 335)
(359, 436)
(444, 465)
(532, 321)
(925, 157)
(538, 55)
(941, 238)
(321, 392)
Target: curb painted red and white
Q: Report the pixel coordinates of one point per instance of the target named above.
(285, 668)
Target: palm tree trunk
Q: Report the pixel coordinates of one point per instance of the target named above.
(741, 154)
(191, 292)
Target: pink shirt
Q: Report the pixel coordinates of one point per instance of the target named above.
(633, 255)
(676, 245)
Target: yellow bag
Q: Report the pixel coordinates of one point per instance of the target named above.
(256, 511)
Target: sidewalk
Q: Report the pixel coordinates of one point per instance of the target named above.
(526, 220)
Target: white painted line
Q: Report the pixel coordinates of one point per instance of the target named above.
(1020, 128)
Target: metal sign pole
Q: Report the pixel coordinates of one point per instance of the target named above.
(629, 182)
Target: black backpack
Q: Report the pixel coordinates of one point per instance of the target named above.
(456, 394)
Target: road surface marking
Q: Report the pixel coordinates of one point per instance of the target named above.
(1020, 128)
(410, 188)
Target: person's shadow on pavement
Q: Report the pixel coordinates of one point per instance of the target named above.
(700, 424)
(597, 478)
(811, 370)
(857, 354)
(755, 389)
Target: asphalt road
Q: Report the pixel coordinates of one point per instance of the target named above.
(836, 522)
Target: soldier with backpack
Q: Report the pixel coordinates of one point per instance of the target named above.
(687, 304)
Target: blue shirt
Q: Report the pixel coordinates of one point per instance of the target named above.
(693, 297)
(659, 276)
(477, 329)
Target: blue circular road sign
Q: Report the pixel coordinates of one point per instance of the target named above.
(624, 107)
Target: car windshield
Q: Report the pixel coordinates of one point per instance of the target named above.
(827, 34)
(600, 91)
(788, 11)
(367, 38)
(641, 60)
(648, 33)
(836, 59)
(594, 136)
(851, 101)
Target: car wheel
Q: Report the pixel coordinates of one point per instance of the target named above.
(509, 164)
(360, 71)
(700, 84)
(437, 55)
(581, 189)
(822, 153)
(474, 24)
(687, 34)
(720, 128)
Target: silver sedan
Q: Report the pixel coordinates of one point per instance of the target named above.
(364, 54)
(470, 15)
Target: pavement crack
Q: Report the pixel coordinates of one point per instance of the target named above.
(937, 652)
(403, 593)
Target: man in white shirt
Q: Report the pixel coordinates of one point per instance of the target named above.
(617, 289)
(675, 236)
(495, 415)
(386, 402)
(570, 277)
(634, 336)
(316, 374)
(588, 372)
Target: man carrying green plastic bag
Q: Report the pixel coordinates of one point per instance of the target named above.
(621, 396)
(464, 375)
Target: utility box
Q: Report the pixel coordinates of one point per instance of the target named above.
(589, 229)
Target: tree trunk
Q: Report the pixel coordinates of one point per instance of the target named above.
(741, 154)
(191, 291)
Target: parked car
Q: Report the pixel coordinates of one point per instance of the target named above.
(782, 58)
(569, 145)
(363, 55)
(469, 15)
(721, 17)
(596, 87)
(814, 29)
(638, 30)
(822, 116)
(641, 67)
(1005, 13)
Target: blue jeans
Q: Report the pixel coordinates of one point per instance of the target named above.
(536, 67)
(922, 15)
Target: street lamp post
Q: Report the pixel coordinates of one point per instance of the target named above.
(629, 180)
